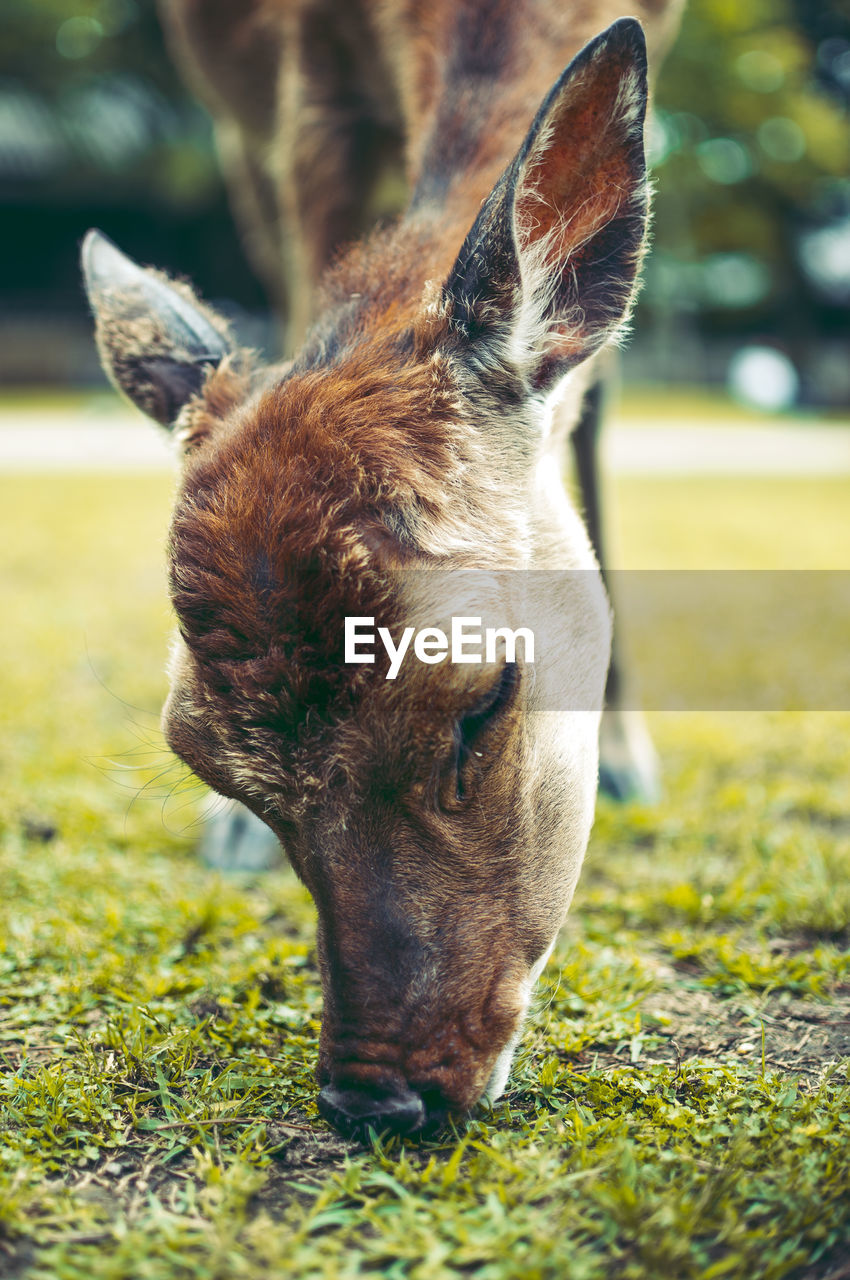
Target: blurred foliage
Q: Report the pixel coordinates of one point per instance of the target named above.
(96, 128)
(751, 151)
(96, 99)
(749, 143)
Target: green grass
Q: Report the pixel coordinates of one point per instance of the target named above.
(681, 1102)
(647, 404)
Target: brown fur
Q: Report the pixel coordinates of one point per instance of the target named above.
(273, 543)
(405, 437)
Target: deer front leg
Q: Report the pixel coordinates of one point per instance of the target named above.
(628, 762)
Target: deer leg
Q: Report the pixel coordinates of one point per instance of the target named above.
(338, 141)
(229, 55)
(306, 130)
(628, 764)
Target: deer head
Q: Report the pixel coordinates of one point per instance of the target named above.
(440, 818)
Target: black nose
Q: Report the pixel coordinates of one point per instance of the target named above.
(354, 1110)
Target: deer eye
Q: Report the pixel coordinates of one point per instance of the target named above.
(470, 728)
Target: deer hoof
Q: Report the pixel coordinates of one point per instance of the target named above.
(628, 762)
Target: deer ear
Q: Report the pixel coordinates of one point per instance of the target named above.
(156, 340)
(547, 274)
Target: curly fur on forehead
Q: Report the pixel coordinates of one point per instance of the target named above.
(293, 511)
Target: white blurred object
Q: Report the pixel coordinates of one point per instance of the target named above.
(763, 377)
(825, 255)
(234, 840)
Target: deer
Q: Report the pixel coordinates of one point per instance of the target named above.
(439, 361)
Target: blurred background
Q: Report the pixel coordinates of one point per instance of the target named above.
(747, 290)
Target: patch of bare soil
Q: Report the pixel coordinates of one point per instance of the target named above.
(310, 1153)
(802, 1038)
(302, 1149)
(15, 1260)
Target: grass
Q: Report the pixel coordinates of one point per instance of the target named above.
(681, 1102)
(641, 406)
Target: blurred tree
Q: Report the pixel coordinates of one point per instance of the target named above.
(751, 149)
(96, 127)
(105, 100)
(749, 141)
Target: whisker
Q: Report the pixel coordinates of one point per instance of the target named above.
(148, 787)
(214, 805)
(145, 711)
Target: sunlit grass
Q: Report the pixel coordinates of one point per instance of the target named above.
(158, 1023)
(647, 404)
(730, 522)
